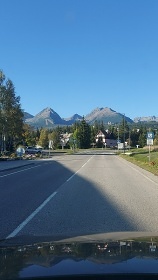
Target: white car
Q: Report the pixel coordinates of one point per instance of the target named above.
(33, 150)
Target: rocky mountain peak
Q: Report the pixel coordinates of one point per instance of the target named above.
(47, 112)
(49, 118)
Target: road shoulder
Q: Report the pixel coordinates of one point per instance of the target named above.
(150, 176)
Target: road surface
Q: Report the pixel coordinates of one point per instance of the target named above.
(75, 195)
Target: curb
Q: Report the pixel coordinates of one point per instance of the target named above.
(15, 167)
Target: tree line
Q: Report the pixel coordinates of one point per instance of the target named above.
(14, 131)
(83, 135)
(11, 115)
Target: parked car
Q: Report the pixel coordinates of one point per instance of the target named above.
(33, 150)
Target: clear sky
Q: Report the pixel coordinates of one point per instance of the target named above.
(76, 55)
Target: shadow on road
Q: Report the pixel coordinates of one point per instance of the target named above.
(80, 207)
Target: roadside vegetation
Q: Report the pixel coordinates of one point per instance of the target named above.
(141, 158)
(15, 133)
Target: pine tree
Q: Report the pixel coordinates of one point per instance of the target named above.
(142, 137)
(123, 130)
(84, 135)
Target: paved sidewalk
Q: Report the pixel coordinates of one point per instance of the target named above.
(12, 164)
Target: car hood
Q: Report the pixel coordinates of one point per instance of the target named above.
(109, 253)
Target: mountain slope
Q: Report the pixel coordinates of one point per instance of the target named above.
(73, 119)
(146, 119)
(46, 118)
(106, 115)
(49, 118)
(27, 116)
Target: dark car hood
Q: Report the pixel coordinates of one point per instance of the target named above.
(109, 253)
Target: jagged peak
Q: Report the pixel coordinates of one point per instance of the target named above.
(49, 116)
(46, 112)
(76, 116)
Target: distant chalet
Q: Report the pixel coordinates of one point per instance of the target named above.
(104, 139)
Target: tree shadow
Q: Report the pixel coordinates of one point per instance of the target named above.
(78, 208)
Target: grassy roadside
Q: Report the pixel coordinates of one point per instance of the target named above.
(140, 157)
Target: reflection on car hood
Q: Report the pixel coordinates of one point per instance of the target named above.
(34, 256)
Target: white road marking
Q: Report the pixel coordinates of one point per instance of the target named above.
(33, 214)
(29, 218)
(134, 168)
(79, 169)
(20, 171)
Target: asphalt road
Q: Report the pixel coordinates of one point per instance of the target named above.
(75, 195)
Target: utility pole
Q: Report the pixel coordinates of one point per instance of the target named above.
(124, 133)
(118, 139)
(129, 139)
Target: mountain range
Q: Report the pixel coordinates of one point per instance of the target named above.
(106, 115)
(146, 119)
(49, 118)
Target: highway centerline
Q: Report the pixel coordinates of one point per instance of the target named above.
(12, 173)
(79, 169)
(30, 217)
(39, 208)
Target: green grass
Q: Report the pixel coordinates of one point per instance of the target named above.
(140, 157)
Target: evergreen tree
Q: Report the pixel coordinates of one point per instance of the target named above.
(123, 130)
(142, 140)
(134, 137)
(84, 135)
(93, 134)
(142, 137)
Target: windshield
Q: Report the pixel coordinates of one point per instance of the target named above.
(78, 117)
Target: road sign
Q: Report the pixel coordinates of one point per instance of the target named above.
(153, 248)
(120, 146)
(20, 151)
(122, 243)
(150, 135)
(50, 144)
(150, 142)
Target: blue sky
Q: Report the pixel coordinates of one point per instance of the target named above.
(76, 55)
